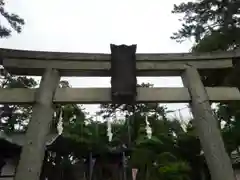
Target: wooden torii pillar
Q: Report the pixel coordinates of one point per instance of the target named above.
(33, 151)
(206, 124)
(51, 64)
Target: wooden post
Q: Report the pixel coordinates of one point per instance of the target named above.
(212, 143)
(29, 167)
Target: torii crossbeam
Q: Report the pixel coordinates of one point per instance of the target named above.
(52, 65)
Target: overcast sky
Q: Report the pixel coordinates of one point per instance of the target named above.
(91, 25)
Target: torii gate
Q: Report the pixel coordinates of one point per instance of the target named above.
(52, 65)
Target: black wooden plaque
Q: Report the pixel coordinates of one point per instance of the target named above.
(123, 74)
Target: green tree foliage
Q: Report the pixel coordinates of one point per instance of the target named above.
(13, 20)
(161, 157)
(214, 26)
(165, 156)
(14, 118)
(155, 158)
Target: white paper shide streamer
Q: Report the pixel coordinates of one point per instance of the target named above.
(148, 128)
(60, 124)
(109, 130)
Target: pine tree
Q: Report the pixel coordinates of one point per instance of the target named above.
(214, 24)
(12, 19)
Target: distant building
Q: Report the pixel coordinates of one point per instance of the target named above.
(235, 157)
(10, 148)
